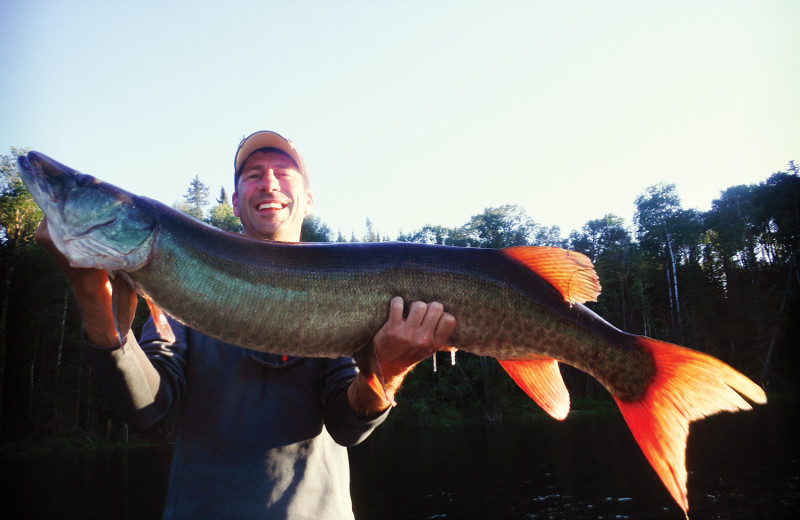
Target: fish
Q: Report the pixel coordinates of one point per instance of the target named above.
(524, 305)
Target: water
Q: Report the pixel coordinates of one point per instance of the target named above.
(742, 466)
(119, 484)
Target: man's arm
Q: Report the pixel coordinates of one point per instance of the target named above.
(400, 344)
(92, 290)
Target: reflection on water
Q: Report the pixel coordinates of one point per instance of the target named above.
(741, 466)
(577, 469)
(588, 467)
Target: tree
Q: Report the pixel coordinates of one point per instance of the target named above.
(19, 216)
(505, 226)
(600, 235)
(777, 217)
(371, 235)
(657, 211)
(19, 213)
(439, 235)
(222, 215)
(195, 199)
(733, 233)
(777, 209)
(609, 245)
(314, 230)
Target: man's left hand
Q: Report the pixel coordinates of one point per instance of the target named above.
(399, 345)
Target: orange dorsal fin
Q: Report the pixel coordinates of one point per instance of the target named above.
(541, 380)
(160, 321)
(570, 272)
(688, 385)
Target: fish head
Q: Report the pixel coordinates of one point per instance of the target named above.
(93, 223)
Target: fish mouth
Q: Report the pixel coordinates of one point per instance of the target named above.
(47, 166)
(44, 173)
(23, 162)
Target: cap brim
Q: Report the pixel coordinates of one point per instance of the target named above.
(267, 139)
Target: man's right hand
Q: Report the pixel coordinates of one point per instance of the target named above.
(92, 290)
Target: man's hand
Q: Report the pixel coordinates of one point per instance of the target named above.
(399, 345)
(92, 291)
(403, 342)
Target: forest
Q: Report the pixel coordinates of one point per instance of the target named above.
(723, 281)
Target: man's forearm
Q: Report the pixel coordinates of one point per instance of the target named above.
(92, 290)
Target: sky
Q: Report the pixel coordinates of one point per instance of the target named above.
(415, 112)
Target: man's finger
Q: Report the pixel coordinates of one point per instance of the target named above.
(417, 313)
(433, 311)
(396, 311)
(445, 326)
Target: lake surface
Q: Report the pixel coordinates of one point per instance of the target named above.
(741, 466)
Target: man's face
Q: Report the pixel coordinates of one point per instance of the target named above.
(272, 197)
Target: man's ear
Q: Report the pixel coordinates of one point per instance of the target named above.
(235, 203)
(309, 201)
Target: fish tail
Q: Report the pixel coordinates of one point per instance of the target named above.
(688, 385)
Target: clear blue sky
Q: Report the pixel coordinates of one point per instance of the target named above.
(413, 113)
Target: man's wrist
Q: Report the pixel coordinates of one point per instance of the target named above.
(365, 402)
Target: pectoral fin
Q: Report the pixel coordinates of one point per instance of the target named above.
(123, 305)
(160, 321)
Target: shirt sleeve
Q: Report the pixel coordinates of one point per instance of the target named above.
(143, 379)
(340, 421)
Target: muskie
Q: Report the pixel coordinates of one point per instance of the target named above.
(521, 305)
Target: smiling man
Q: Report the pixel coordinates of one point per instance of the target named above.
(257, 435)
(272, 194)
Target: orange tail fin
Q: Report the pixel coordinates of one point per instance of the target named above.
(541, 380)
(689, 385)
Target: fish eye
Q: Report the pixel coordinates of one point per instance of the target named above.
(84, 180)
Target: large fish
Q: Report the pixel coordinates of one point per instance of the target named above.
(521, 305)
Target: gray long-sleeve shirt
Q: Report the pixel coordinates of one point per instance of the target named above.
(258, 435)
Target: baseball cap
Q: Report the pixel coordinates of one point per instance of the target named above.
(266, 139)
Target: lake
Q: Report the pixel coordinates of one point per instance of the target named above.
(741, 466)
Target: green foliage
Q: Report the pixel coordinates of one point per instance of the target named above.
(508, 226)
(19, 214)
(607, 234)
(438, 235)
(617, 259)
(499, 227)
(222, 216)
(196, 198)
(314, 230)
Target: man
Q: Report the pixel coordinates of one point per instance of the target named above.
(258, 435)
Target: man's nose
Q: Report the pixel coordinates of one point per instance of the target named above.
(269, 182)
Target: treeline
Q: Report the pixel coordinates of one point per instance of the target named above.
(723, 281)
